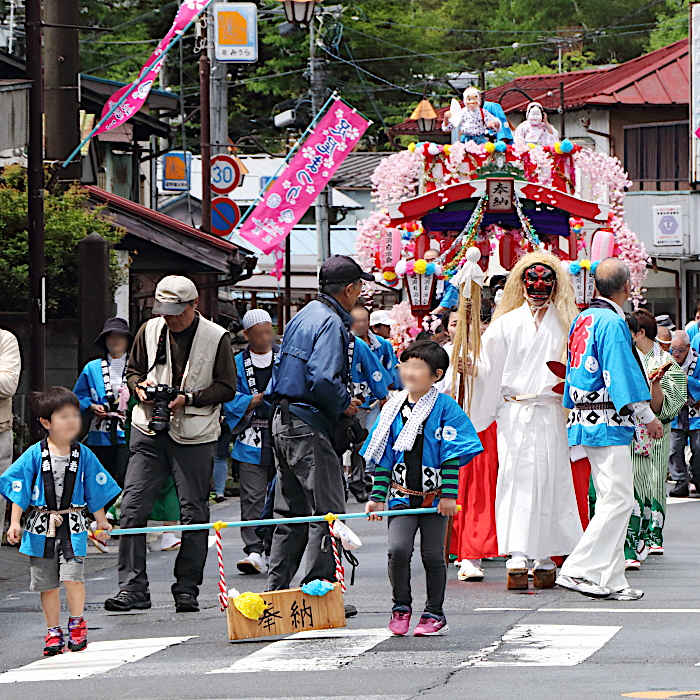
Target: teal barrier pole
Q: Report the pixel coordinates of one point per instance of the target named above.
(272, 521)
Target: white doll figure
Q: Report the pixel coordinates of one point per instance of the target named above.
(535, 129)
(474, 122)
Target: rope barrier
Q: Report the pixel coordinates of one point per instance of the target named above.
(271, 521)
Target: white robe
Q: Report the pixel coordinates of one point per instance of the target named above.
(536, 510)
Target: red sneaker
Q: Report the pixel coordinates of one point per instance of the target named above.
(53, 642)
(430, 625)
(77, 634)
(399, 623)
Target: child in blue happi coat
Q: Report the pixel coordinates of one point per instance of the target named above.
(417, 445)
(55, 483)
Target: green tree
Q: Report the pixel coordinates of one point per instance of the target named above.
(67, 221)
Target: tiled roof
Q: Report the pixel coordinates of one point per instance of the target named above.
(355, 171)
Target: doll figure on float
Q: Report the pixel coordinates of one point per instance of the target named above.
(536, 129)
(476, 121)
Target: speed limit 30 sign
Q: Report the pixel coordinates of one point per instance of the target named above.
(225, 174)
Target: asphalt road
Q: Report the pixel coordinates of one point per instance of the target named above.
(500, 645)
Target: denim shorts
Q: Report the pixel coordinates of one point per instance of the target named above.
(46, 574)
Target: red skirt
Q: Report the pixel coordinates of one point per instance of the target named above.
(474, 526)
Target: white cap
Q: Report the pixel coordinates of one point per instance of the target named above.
(379, 318)
(255, 316)
(173, 293)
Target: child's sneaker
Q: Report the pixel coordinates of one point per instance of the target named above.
(77, 633)
(430, 625)
(53, 642)
(400, 622)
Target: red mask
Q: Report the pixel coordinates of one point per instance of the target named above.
(539, 281)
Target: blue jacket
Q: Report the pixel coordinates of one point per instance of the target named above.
(23, 484)
(450, 299)
(90, 388)
(504, 133)
(245, 447)
(369, 378)
(311, 370)
(693, 393)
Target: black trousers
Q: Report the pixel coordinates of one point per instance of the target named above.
(309, 482)
(402, 535)
(114, 459)
(152, 459)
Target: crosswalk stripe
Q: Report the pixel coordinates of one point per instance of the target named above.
(99, 657)
(544, 645)
(318, 650)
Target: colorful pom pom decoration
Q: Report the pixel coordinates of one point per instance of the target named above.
(574, 267)
(317, 587)
(420, 266)
(250, 605)
(566, 146)
(489, 147)
(501, 146)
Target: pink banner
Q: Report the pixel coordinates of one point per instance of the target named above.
(141, 87)
(307, 173)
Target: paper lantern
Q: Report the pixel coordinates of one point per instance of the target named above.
(603, 244)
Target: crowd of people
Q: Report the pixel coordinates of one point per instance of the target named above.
(555, 439)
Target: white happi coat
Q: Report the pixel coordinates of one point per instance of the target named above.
(536, 510)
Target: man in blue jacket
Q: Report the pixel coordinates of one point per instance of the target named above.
(311, 387)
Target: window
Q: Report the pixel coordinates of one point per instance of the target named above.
(656, 155)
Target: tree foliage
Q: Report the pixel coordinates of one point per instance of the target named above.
(383, 55)
(67, 221)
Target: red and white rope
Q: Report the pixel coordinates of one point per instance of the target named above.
(339, 568)
(223, 591)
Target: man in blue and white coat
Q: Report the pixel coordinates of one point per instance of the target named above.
(686, 426)
(607, 393)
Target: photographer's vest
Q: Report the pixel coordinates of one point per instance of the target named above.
(193, 424)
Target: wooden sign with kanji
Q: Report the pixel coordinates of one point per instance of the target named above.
(287, 612)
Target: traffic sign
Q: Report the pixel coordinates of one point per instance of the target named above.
(225, 174)
(176, 167)
(236, 32)
(225, 214)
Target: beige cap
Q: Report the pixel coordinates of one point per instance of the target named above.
(173, 294)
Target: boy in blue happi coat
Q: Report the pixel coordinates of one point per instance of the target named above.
(417, 446)
(56, 482)
(248, 416)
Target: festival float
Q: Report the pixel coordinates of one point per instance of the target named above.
(500, 194)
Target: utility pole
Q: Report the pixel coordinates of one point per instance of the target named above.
(219, 97)
(205, 130)
(61, 67)
(318, 96)
(35, 195)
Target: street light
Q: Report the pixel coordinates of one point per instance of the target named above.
(425, 115)
(299, 12)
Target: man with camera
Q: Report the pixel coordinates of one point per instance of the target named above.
(181, 370)
(311, 426)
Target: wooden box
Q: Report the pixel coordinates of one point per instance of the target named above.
(287, 612)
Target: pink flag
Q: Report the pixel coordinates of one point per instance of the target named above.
(139, 89)
(307, 173)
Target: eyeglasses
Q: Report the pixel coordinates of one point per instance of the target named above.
(678, 351)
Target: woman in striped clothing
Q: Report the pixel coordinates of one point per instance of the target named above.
(668, 385)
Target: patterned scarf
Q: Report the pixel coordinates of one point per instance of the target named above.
(411, 427)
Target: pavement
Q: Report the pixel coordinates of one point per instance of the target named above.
(501, 644)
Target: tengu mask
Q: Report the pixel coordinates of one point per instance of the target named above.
(539, 280)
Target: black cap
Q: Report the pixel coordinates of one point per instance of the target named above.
(342, 269)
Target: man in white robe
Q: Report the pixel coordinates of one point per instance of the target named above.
(536, 512)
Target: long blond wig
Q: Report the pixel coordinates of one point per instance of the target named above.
(563, 299)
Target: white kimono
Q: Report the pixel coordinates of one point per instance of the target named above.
(536, 511)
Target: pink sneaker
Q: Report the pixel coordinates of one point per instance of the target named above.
(400, 622)
(429, 626)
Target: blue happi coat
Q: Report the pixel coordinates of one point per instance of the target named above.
(90, 388)
(368, 376)
(22, 484)
(450, 299)
(448, 434)
(384, 351)
(602, 377)
(244, 448)
(693, 372)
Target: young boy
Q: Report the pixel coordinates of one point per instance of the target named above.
(56, 481)
(248, 415)
(418, 444)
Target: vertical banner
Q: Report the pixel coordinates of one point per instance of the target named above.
(141, 87)
(694, 92)
(294, 190)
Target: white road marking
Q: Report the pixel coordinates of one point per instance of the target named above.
(99, 657)
(673, 500)
(623, 609)
(544, 645)
(503, 609)
(318, 650)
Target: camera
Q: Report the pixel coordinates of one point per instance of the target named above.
(161, 395)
